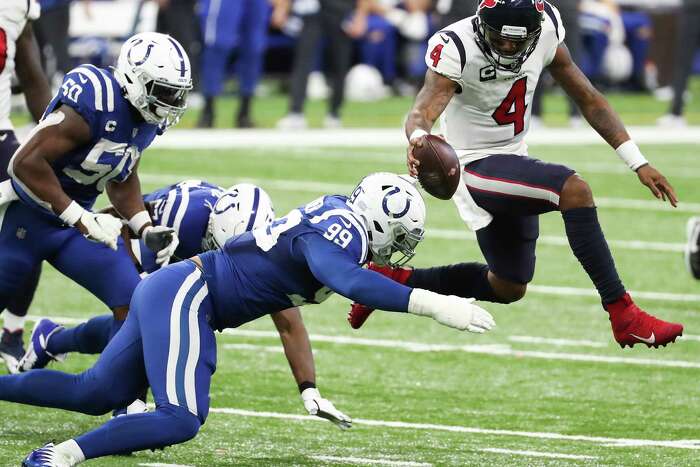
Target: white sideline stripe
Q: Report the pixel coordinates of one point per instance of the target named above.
(310, 186)
(500, 350)
(557, 342)
(551, 455)
(452, 234)
(582, 292)
(366, 461)
(371, 137)
(600, 440)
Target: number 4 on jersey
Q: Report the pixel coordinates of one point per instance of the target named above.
(512, 109)
(435, 54)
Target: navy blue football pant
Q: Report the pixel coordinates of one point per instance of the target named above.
(239, 25)
(22, 297)
(515, 190)
(166, 342)
(28, 237)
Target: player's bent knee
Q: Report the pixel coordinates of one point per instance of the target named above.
(576, 193)
(182, 424)
(512, 293)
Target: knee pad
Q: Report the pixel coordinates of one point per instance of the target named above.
(182, 425)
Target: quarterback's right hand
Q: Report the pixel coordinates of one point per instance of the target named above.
(450, 310)
(103, 228)
(416, 141)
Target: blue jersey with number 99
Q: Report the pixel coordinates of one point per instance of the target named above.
(118, 135)
(265, 270)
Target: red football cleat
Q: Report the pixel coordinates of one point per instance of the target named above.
(631, 325)
(359, 313)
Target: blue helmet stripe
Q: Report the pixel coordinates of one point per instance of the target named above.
(254, 211)
(180, 54)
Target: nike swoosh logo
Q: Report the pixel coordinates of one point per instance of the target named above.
(446, 41)
(82, 80)
(648, 340)
(3, 137)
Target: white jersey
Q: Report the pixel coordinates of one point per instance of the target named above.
(14, 15)
(491, 113)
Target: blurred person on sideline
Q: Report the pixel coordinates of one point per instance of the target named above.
(177, 18)
(333, 24)
(51, 30)
(570, 12)
(687, 46)
(22, 57)
(238, 26)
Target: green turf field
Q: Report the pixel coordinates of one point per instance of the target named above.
(548, 381)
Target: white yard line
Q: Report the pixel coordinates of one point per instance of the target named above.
(557, 342)
(455, 234)
(584, 292)
(362, 137)
(366, 461)
(499, 350)
(598, 440)
(550, 455)
(310, 186)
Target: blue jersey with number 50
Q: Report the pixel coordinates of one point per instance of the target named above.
(118, 135)
(266, 270)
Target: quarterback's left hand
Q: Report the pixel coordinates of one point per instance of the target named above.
(320, 407)
(657, 183)
(163, 240)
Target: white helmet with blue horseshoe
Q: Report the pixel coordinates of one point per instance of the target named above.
(155, 73)
(241, 208)
(394, 213)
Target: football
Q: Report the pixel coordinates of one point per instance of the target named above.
(438, 172)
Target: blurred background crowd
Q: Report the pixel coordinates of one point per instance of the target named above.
(364, 50)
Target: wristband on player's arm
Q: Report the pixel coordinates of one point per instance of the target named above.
(72, 214)
(138, 221)
(417, 133)
(304, 385)
(631, 155)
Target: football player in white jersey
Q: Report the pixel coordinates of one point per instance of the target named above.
(482, 74)
(19, 54)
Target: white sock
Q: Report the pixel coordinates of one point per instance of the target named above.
(71, 452)
(12, 322)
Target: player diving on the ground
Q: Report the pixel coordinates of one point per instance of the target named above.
(302, 258)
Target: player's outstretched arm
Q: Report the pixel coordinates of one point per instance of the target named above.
(601, 116)
(297, 348)
(35, 85)
(334, 268)
(429, 104)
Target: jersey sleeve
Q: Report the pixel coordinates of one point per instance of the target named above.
(89, 92)
(555, 33)
(446, 55)
(336, 270)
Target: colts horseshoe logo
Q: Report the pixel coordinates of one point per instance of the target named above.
(385, 204)
(145, 57)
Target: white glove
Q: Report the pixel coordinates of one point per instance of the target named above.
(163, 240)
(450, 310)
(103, 228)
(320, 407)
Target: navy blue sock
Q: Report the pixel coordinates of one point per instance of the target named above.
(590, 248)
(165, 426)
(90, 337)
(463, 279)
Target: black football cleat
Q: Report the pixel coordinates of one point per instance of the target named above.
(11, 349)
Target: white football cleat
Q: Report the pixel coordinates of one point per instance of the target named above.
(671, 121)
(293, 121)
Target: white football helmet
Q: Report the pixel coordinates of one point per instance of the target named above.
(241, 208)
(394, 213)
(155, 73)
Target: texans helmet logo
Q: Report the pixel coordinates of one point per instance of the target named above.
(488, 4)
(539, 5)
